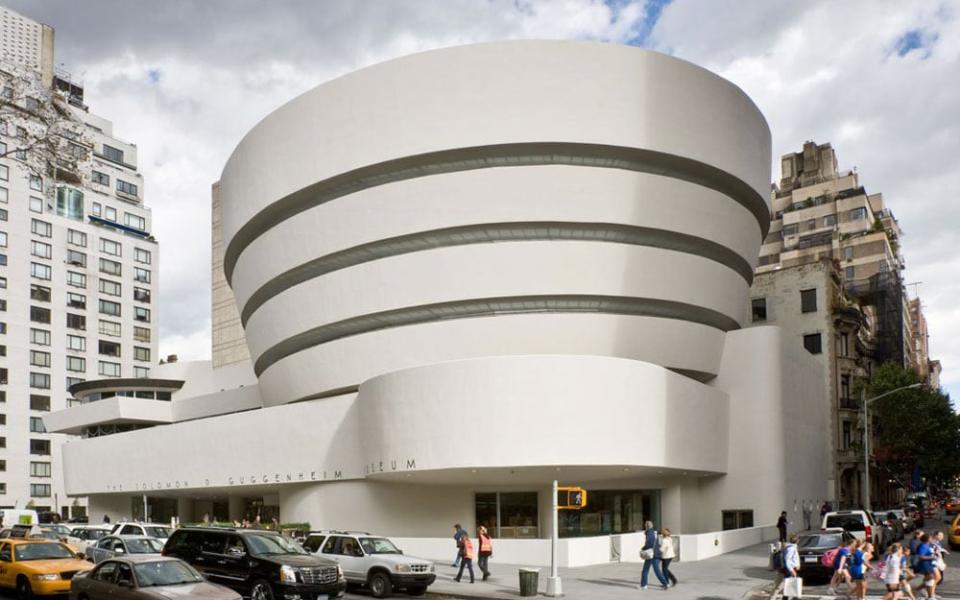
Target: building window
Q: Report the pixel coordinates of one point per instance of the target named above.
(110, 308)
(97, 209)
(141, 295)
(4, 215)
(39, 315)
(4, 195)
(141, 353)
(811, 224)
(77, 238)
(41, 381)
(40, 490)
(736, 519)
(76, 279)
(518, 513)
(36, 184)
(141, 275)
(845, 388)
(141, 334)
(109, 348)
(110, 247)
(70, 203)
(109, 267)
(36, 204)
(858, 213)
(76, 321)
(3, 238)
(808, 301)
(110, 328)
(4, 173)
(812, 343)
(141, 372)
(39, 359)
(829, 220)
(41, 228)
(36, 425)
(847, 435)
(40, 337)
(141, 314)
(848, 253)
(4, 378)
(759, 306)
(38, 402)
(76, 343)
(40, 469)
(113, 154)
(110, 288)
(76, 258)
(108, 369)
(125, 187)
(135, 222)
(39, 293)
(110, 213)
(40, 271)
(41, 250)
(76, 300)
(3, 465)
(142, 256)
(100, 178)
(844, 344)
(850, 273)
(76, 364)
(72, 381)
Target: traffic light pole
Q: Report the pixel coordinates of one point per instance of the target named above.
(554, 587)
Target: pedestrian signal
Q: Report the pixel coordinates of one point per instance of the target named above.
(571, 498)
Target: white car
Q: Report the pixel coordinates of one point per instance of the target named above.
(373, 561)
(858, 523)
(112, 546)
(82, 536)
(154, 530)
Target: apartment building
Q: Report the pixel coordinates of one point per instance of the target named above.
(26, 42)
(78, 268)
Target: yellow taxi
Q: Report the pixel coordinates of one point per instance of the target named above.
(38, 567)
(953, 535)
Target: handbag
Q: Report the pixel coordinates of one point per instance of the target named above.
(646, 554)
(792, 587)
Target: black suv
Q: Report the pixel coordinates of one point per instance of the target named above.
(261, 565)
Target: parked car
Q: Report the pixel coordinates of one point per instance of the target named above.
(83, 535)
(35, 567)
(856, 522)
(62, 530)
(374, 562)
(256, 563)
(952, 506)
(953, 534)
(145, 577)
(122, 545)
(154, 530)
(812, 547)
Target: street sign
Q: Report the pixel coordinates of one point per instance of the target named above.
(571, 498)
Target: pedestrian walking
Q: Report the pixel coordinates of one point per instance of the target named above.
(667, 554)
(841, 568)
(466, 555)
(106, 518)
(859, 567)
(906, 572)
(807, 514)
(891, 572)
(824, 509)
(939, 551)
(782, 527)
(485, 551)
(650, 553)
(791, 561)
(457, 533)
(925, 560)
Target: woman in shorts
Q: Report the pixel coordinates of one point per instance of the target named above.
(891, 572)
(906, 573)
(841, 568)
(859, 567)
(926, 565)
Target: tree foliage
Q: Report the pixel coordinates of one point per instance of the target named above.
(915, 427)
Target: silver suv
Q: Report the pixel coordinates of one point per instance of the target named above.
(373, 561)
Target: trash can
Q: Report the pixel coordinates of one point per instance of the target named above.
(529, 582)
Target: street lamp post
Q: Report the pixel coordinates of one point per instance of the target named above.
(866, 437)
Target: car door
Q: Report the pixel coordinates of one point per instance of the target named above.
(99, 585)
(351, 557)
(131, 530)
(233, 566)
(7, 577)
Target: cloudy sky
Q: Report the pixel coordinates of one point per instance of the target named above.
(185, 79)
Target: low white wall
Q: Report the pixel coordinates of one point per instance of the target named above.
(705, 545)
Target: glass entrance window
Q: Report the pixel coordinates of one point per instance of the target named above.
(508, 514)
(612, 512)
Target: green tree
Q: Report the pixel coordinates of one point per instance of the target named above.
(915, 427)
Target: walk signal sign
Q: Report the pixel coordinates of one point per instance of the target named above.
(571, 498)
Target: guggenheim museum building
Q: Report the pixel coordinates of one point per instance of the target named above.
(444, 281)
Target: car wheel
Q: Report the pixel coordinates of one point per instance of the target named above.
(380, 585)
(24, 592)
(261, 591)
(417, 590)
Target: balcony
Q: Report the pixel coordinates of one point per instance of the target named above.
(119, 404)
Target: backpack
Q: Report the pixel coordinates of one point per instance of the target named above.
(830, 558)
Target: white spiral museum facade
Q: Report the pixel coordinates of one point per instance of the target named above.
(475, 270)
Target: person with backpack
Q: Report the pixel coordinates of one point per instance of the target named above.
(667, 554)
(457, 532)
(465, 554)
(891, 572)
(841, 567)
(650, 553)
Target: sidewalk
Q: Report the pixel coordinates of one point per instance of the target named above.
(731, 576)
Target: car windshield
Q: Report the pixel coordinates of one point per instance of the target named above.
(848, 522)
(378, 546)
(144, 546)
(261, 543)
(822, 540)
(41, 551)
(158, 532)
(165, 572)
